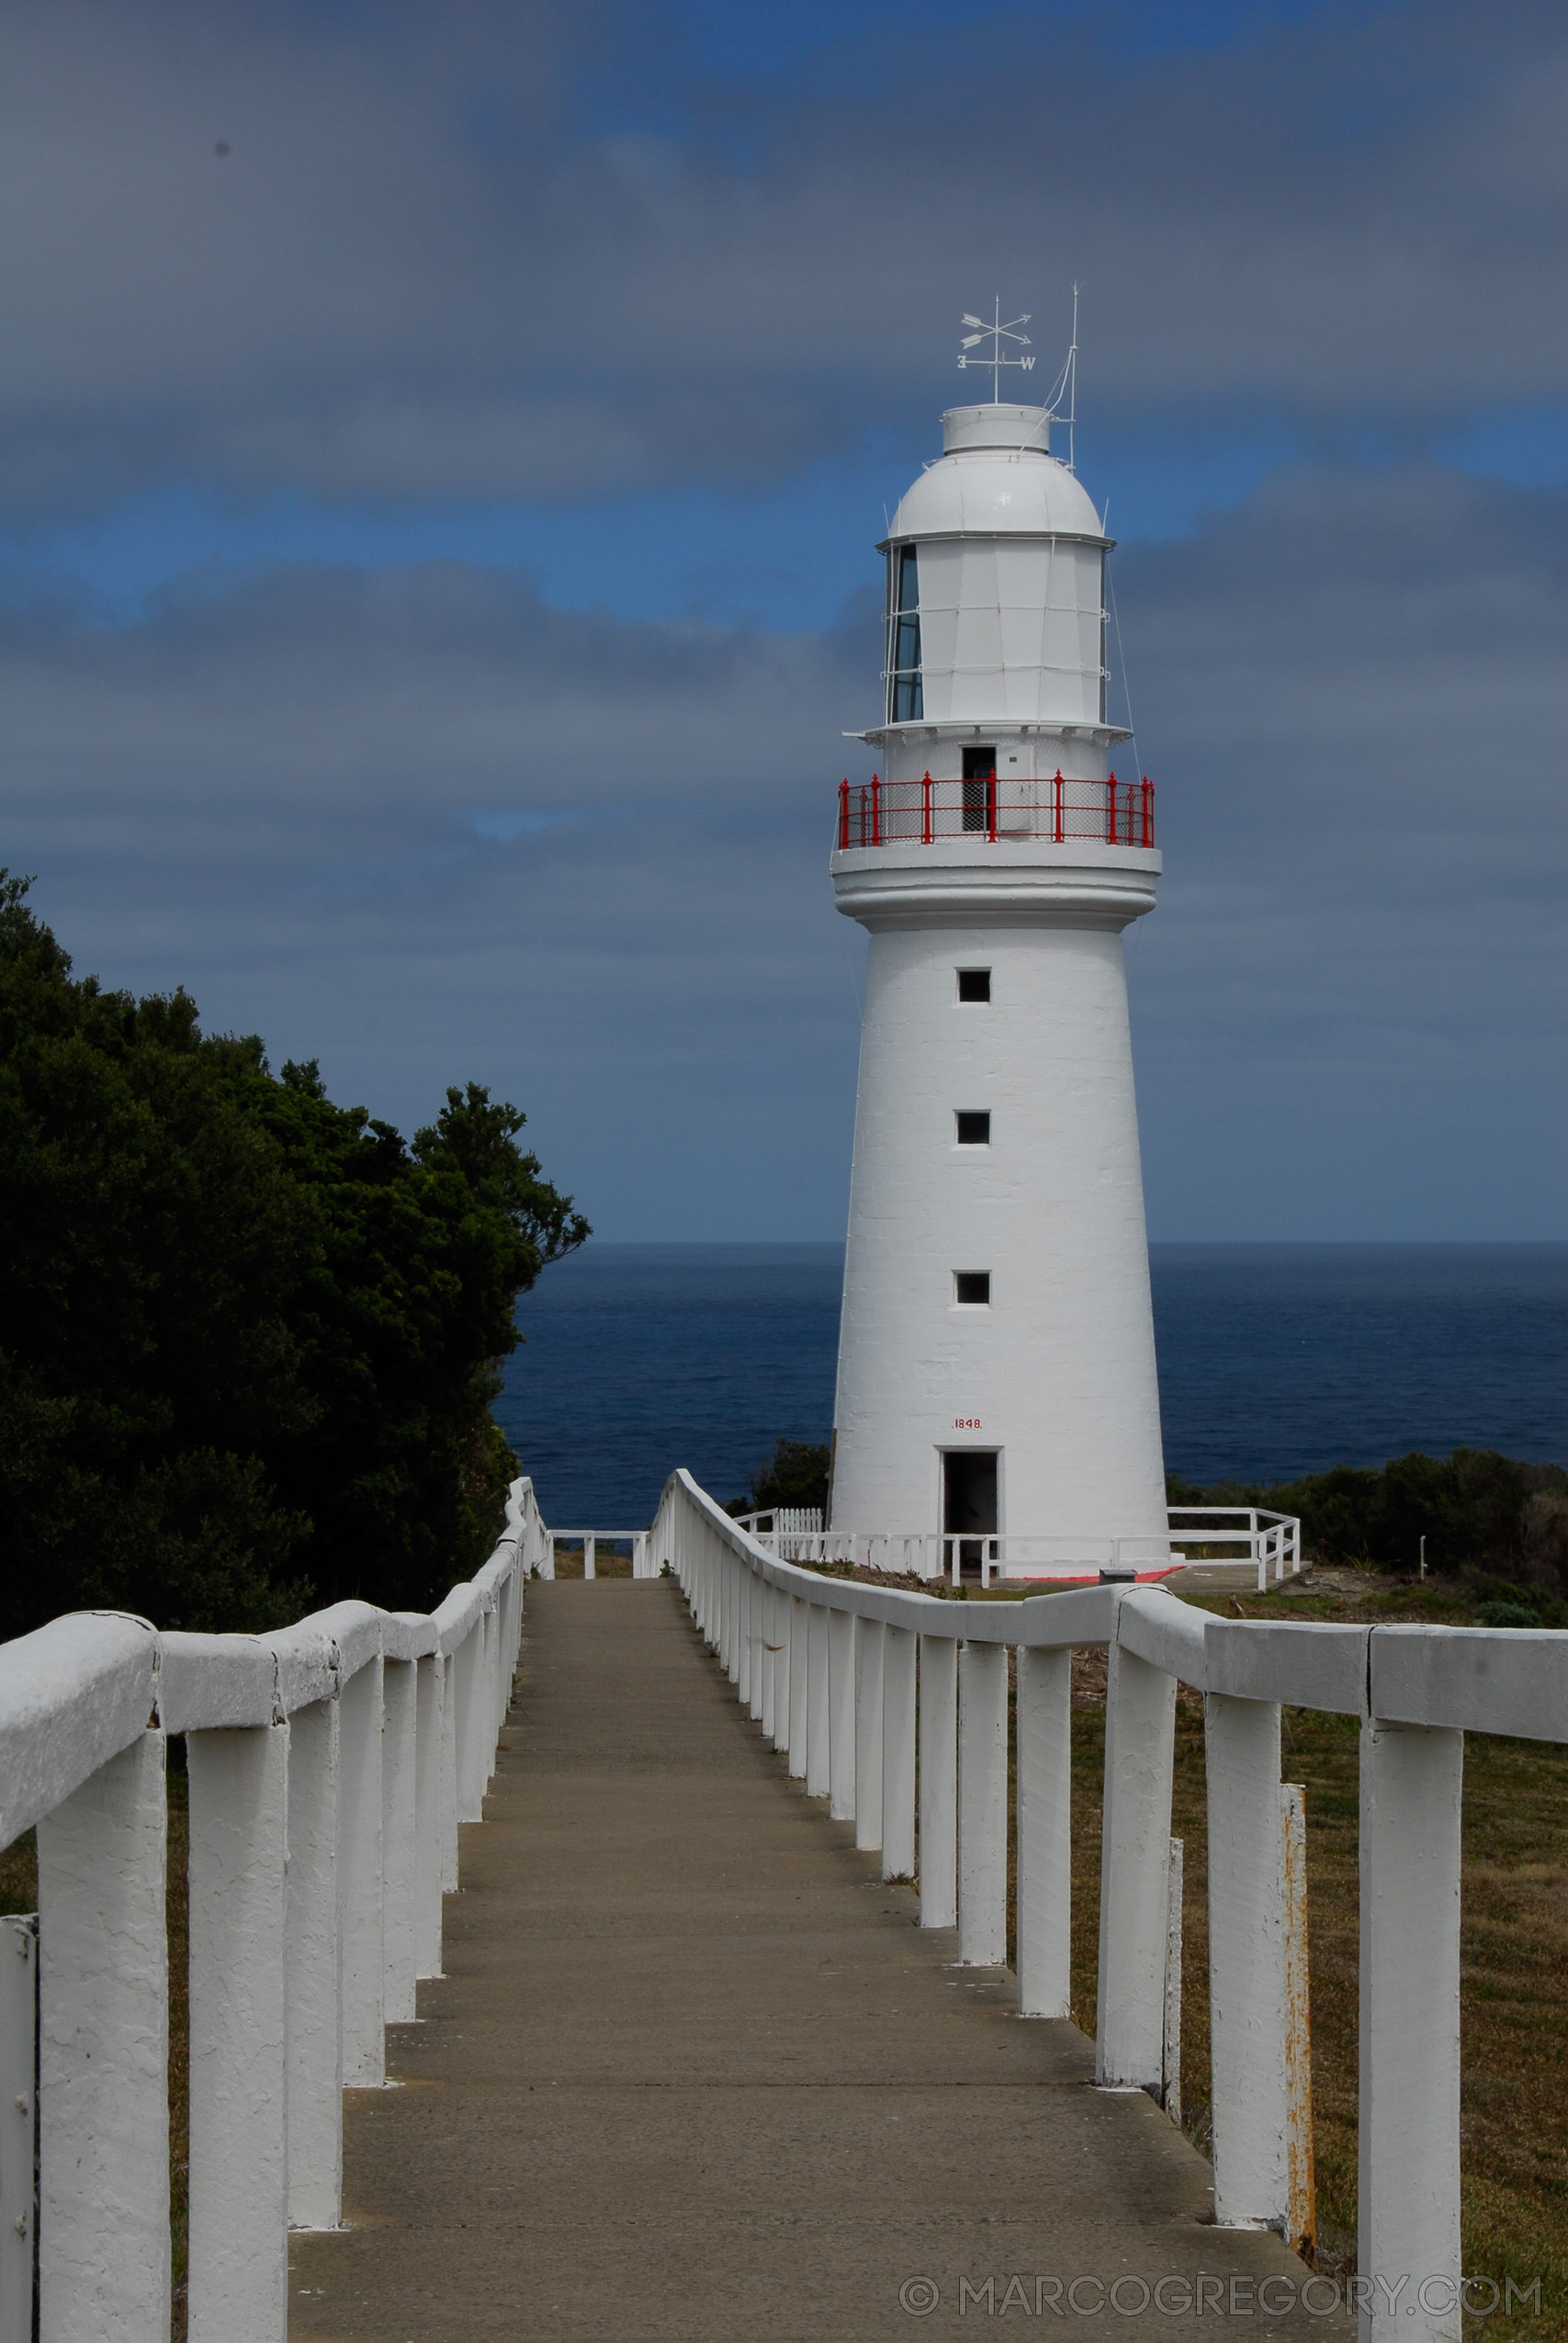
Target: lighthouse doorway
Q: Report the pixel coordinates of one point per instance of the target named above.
(969, 1503)
(979, 789)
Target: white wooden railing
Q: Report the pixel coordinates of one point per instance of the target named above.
(1249, 1532)
(590, 1541)
(855, 1682)
(1270, 1542)
(329, 1765)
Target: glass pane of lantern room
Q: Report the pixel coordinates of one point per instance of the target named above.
(909, 580)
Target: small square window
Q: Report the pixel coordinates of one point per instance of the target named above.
(974, 984)
(974, 1131)
(971, 1288)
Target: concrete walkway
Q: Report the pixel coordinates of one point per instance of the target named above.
(693, 2072)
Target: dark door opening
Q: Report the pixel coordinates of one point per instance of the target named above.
(969, 1504)
(980, 788)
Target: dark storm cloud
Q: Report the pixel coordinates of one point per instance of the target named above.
(422, 268)
(422, 826)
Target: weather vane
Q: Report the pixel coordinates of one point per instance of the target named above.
(996, 334)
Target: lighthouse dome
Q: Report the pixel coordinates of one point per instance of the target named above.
(996, 477)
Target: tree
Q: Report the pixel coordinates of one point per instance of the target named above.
(250, 1338)
(794, 1475)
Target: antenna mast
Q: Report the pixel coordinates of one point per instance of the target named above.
(1067, 387)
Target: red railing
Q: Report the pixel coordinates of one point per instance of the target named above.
(882, 813)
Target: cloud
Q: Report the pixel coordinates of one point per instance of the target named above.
(435, 262)
(420, 825)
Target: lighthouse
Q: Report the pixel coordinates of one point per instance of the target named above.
(996, 1392)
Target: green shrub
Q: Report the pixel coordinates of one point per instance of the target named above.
(1476, 1509)
(250, 1338)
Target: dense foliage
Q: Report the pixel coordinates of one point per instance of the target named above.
(1478, 1512)
(795, 1475)
(248, 1339)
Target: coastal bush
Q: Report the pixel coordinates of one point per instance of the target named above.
(248, 1339)
(795, 1475)
(1477, 1510)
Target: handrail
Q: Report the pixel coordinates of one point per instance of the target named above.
(1271, 1541)
(894, 1706)
(330, 1764)
(992, 807)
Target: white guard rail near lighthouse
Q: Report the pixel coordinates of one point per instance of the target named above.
(894, 1706)
(329, 1765)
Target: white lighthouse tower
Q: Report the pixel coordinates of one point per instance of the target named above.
(997, 1359)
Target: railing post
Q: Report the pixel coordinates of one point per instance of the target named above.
(1409, 2225)
(1110, 810)
(926, 810)
(780, 1614)
(239, 2177)
(765, 1658)
(871, 1637)
(734, 1576)
(759, 1664)
(359, 1869)
(991, 808)
(742, 1669)
(724, 1610)
(1044, 1833)
(590, 1549)
(799, 1673)
(471, 1774)
(982, 1804)
(400, 1694)
(1140, 1728)
(1246, 1962)
(103, 2055)
(1148, 811)
(429, 1703)
(843, 815)
(483, 1744)
(817, 1742)
(898, 1754)
(939, 1784)
(451, 1705)
(841, 1715)
(1056, 790)
(310, 1960)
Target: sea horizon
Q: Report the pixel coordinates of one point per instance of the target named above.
(1276, 1358)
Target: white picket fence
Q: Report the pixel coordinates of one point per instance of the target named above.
(1269, 1543)
(856, 1683)
(328, 1767)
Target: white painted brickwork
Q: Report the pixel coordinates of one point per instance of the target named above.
(1057, 1373)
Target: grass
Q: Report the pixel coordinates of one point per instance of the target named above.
(609, 1562)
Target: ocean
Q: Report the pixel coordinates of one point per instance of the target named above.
(1274, 1360)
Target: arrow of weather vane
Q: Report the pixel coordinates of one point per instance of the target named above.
(996, 332)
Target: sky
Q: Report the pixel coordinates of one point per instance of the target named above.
(442, 454)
